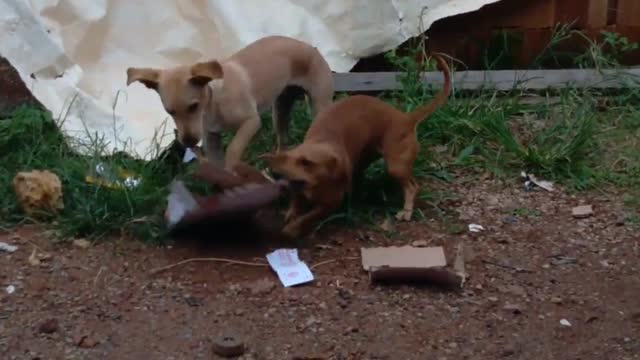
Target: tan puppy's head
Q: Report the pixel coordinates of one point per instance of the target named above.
(308, 165)
(184, 94)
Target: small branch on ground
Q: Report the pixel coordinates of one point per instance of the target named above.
(504, 266)
(332, 261)
(228, 261)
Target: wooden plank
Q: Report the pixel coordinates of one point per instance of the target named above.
(521, 14)
(498, 80)
(597, 13)
(628, 12)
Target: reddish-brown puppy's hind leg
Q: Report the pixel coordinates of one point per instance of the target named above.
(400, 159)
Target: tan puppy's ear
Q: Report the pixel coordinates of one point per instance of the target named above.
(149, 77)
(203, 72)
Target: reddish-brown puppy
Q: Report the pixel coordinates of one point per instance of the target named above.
(344, 138)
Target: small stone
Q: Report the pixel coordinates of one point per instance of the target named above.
(228, 345)
(420, 243)
(492, 299)
(311, 321)
(582, 211)
(516, 309)
(262, 287)
(192, 301)
(514, 290)
(565, 322)
(508, 352)
(48, 327)
(510, 220)
(86, 342)
(556, 300)
(81, 243)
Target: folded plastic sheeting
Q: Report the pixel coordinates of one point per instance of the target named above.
(72, 54)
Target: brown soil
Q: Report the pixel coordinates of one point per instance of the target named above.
(102, 302)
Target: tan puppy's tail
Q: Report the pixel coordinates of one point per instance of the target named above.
(441, 98)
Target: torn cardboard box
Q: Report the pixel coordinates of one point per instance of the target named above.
(408, 263)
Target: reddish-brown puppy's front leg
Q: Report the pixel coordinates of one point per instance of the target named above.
(409, 189)
(294, 209)
(303, 224)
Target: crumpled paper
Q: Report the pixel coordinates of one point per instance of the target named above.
(73, 54)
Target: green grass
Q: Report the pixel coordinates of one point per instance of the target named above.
(570, 140)
(30, 140)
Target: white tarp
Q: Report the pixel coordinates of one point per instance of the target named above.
(73, 54)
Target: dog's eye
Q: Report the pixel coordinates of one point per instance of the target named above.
(192, 108)
(305, 162)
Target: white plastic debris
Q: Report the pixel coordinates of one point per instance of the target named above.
(10, 289)
(180, 202)
(290, 269)
(565, 322)
(530, 181)
(47, 41)
(7, 247)
(189, 156)
(476, 228)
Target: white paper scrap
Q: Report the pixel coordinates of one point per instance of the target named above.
(290, 269)
(475, 228)
(180, 203)
(565, 322)
(10, 289)
(189, 156)
(7, 247)
(531, 179)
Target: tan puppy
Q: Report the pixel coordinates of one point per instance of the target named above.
(208, 97)
(345, 138)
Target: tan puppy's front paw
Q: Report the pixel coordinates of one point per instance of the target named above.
(404, 215)
(291, 230)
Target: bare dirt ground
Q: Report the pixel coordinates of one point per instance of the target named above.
(534, 266)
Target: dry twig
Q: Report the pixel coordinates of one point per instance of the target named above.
(228, 261)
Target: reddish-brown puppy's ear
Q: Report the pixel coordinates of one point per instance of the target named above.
(269, 158)
(147, 76)
(306, 162)
(203, 72)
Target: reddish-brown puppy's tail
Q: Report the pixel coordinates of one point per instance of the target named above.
(441, 98)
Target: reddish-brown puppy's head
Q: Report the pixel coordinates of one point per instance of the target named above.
(184, 94)
(309, 165)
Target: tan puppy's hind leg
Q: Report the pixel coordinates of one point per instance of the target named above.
(240, 141)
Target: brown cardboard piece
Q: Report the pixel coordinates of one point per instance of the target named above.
(408, 263)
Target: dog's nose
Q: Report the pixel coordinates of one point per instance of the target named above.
(189, 141)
